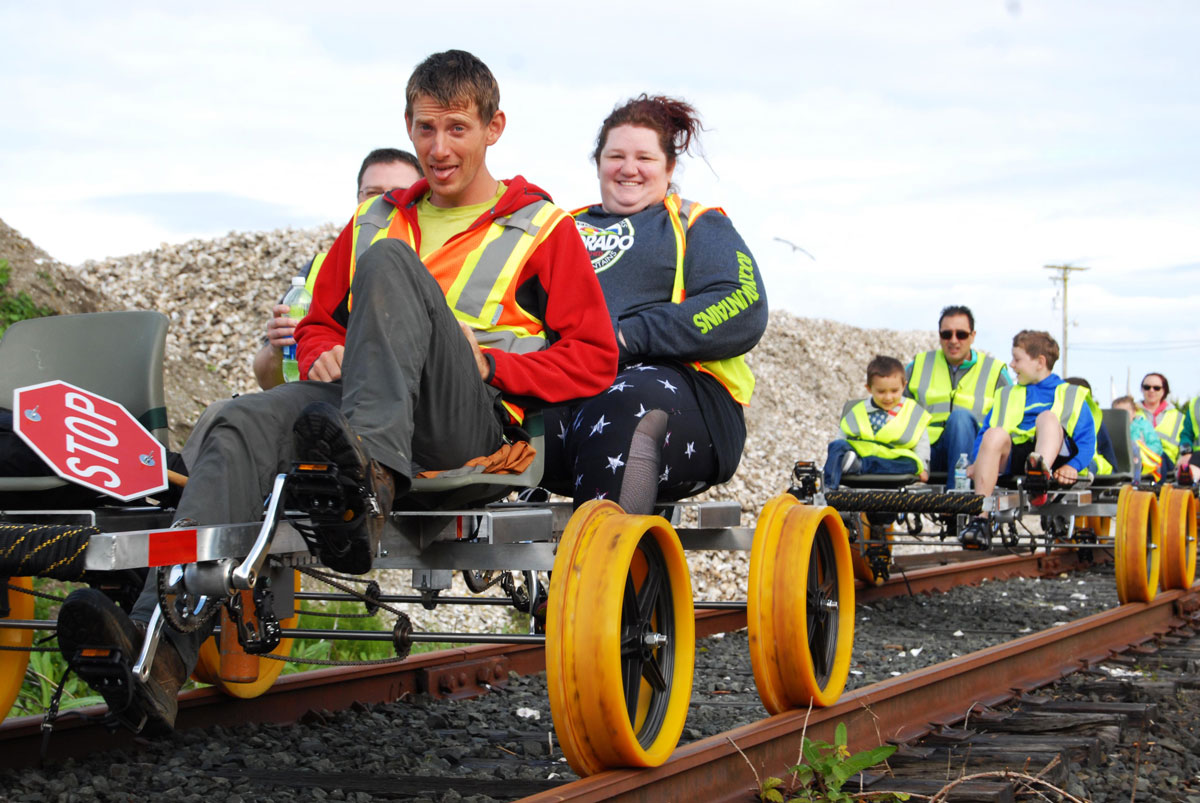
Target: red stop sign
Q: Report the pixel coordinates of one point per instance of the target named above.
(90, 440)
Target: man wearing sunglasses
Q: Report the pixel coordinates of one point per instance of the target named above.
(955, 384)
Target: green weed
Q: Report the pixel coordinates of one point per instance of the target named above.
(825, 769)
(16, 307)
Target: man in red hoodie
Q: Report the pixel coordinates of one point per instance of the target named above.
(440, 313)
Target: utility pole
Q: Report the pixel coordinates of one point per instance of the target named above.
(1064, 275)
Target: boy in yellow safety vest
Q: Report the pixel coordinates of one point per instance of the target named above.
(885, 433)
(1038, 426)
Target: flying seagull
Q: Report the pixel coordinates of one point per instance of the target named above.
(796, 248)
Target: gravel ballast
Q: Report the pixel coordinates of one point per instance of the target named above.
(509, 736)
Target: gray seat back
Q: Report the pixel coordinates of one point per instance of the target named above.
(118, 355)
(455, 490)
(1116, 422)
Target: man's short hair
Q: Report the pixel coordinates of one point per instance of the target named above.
(454, 76)
(882, 367)
(1037, 344)
(1078, 380)
(386, 156)
(957, 309)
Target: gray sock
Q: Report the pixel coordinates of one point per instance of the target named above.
(639, 486)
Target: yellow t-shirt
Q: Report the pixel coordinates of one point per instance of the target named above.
(438, 225)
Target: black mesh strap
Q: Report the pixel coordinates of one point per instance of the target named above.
(44, 550)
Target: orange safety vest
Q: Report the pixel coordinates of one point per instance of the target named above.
(478, 269)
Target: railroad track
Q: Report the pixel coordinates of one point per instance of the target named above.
(722, 767)
(460, 672)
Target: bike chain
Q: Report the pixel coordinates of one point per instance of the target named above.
(172, 617)
(32, 593)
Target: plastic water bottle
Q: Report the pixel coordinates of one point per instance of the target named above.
(298, 299)
(961, 482)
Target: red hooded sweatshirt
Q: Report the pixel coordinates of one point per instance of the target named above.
(557, 285)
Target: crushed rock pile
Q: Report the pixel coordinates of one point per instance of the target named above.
(218, 294)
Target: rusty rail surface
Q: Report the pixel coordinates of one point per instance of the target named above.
(719, 768)
(919, 574)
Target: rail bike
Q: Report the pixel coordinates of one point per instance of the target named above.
(1149, 529)
(608, 593)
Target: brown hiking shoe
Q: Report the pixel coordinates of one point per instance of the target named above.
(345, 536)
(101, 643)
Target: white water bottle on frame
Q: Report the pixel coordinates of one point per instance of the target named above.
(298, 299)
(961, 481)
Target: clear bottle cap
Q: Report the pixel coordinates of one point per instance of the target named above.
(298, 281)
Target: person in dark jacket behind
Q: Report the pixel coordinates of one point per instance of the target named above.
(687, 302)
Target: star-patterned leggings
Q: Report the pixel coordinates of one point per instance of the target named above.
(587, 443)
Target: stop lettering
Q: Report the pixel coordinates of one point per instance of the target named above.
(89, 440)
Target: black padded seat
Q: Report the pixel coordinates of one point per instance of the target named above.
(888, 481)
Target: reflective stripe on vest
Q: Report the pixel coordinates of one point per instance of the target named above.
(931, 386)
(732, 372)
(477, 269)
(895, 439)
(1191, 417)
(1169, 427)
(1010, 410)
(1099, 464)
(314, 268)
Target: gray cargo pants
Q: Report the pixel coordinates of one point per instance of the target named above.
(410, 389)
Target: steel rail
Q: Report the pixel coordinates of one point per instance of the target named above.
(722, 768)
(79, 732)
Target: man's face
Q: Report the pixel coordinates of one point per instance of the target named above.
(886, 391)
(1028, 369)
(451, 143)
(385, 177)
(956, 347)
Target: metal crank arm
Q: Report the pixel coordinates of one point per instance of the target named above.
(141, 668)
(245, 575)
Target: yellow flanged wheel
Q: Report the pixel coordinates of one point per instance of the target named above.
(620, 639)
(860, 562)
(14, 661)
(261, 672)
(1101, 526)
(1138, 548)
(800, 606)
(1177, 515)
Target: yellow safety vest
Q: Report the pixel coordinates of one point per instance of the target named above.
(895, 439)
(1169, 428)
(1099, 464)
(477, 270)
(732, 372)
(1010, 409)
(310, 281)
(930, 385)
(1191, 417)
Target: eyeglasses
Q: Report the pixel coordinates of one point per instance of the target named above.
(954, 334)
(1151, 387)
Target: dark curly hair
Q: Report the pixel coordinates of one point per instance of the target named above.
(675, 121)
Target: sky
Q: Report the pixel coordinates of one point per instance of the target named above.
(925, 153)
